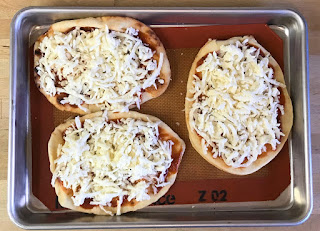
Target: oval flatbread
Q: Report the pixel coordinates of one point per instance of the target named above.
(113, 164)
(227, 115)
(108, 63)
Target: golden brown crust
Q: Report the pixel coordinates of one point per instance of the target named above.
(285, 120)
(64, 196)
(115, 23)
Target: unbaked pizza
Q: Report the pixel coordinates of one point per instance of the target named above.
(238, 110)
(113, 163)
(107, 63)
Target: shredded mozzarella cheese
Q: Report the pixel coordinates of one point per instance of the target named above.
(117, 159)
(101, 67)
(235, 104)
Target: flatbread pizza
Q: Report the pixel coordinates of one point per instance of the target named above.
(108, 63)
(238, 110)
(113, 163)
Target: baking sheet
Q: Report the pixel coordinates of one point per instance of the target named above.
(294, 205)
(197, 180)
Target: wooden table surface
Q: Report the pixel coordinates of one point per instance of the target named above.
(309, 8)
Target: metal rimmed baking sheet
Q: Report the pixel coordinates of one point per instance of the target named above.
(27, 212)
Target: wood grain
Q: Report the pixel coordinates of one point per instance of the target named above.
(309, 8)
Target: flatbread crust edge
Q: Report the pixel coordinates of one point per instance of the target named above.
(64, 197)
(116, 23)
(286, 119)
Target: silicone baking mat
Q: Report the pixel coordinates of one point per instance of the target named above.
(197, 180)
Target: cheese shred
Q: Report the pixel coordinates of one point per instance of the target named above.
(112, 160)
(235, 104)
(102, 67)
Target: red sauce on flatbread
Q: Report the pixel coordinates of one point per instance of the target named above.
(144, 38)
(114, 202)
(177, 149)
(281, 99)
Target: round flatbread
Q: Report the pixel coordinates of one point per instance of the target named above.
(165, 134)
(114, 23)
(285, 120)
